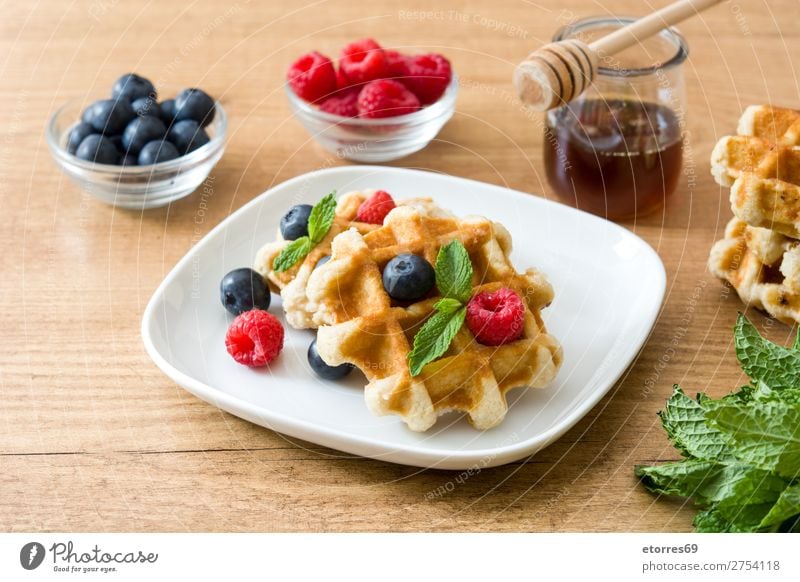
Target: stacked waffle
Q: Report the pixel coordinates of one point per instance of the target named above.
(359, 324)
(760, 254)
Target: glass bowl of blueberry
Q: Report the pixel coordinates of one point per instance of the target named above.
(376, 104)
(133, 151)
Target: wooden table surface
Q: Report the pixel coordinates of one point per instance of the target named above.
(93, 437)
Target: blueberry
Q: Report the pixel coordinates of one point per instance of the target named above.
(109, 116)
(98, 149)
(408, 277)
(322, 260)
(242, 290)
(146, 106)
(131, 86)
(294, 223)
(194, 104)
(77, 134)
(187, 136)
(157, 151)
(129, 160)
(322, 369)
(167, 111)
(117, 141)
(140, 131)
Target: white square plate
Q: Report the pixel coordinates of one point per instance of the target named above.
(609, 285)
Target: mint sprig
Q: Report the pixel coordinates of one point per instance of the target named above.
(741, 453)
(319, 223)
(321, 218)
(454, 282)
(454, 272)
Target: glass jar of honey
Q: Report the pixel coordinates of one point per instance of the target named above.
(617, 149)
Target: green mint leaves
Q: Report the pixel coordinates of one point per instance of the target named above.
(292, 253)
(763, 361)
(434, 338)
(321, 218)
(319, 223)
(454, 272)
(684, 421)
(741, 453)
(454, 282)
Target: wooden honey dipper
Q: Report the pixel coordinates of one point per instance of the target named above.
(560, 71)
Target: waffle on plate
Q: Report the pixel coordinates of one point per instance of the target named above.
(363, 326)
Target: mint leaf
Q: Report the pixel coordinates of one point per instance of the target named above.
(321, 218)
(683, 478)
(454, 281)
(706, 481)
(454, 272)
(684, 420)
(788, 505)
(447, 305)
(319, 223)
(434, 338)
(710, 521)
(765, 434)
(751, 499)
(762, 360)
(742, 451)
(766, 394)
(291, 253)
(742, 495)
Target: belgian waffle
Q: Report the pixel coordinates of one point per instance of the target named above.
(762, 166)
(291, 284)
(364, 327)
(776, 124)
(759, 255)
(763, 266)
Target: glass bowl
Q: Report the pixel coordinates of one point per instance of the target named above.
(375, 140)
(136, 187)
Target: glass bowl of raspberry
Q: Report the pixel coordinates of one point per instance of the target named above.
(134, 158)
(375, 104)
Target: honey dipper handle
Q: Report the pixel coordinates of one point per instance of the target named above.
(560, 71)
(649, 25)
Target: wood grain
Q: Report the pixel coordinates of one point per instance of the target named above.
(94, 438)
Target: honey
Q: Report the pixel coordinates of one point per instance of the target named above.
(618, 159)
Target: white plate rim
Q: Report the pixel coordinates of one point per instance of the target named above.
(354, 444)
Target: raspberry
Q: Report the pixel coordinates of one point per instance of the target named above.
(428, 76)
(375, 208)
(254, 338)
(312, 77)
(396, 64)
(362, 61)
(496, 318)
(344, 103)
(341, 80)
(386, 98)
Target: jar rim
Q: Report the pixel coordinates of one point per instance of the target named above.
(682, 52)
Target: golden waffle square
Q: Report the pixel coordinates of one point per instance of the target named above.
(763, 266)
(776, 124)
(291, 284)
(364, 327)
(762, 167)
